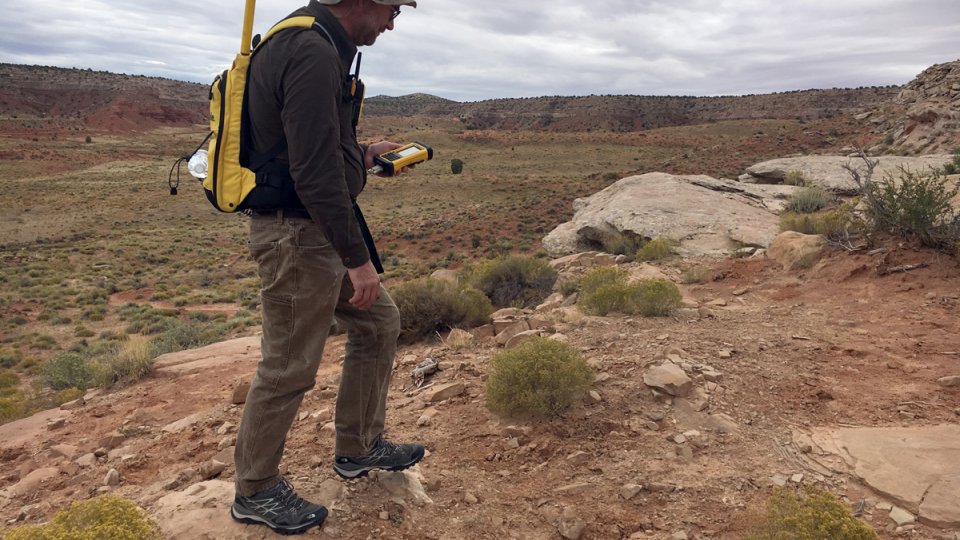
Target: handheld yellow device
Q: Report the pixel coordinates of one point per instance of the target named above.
(409, 154)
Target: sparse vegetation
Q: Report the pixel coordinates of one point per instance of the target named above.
(835, 224)
(622, 243)
(428, 306)
(606, 289)
(538, 379)
(657, 249)
(795, 178)
(514, 281)
(809, 200)
(806, 514)
(954, 166)
(106, 516)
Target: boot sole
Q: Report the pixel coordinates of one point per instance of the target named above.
(359, 473)
(256, 520)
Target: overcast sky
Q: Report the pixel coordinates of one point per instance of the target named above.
(474, 50)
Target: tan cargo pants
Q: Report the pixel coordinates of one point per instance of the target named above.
(304, 286)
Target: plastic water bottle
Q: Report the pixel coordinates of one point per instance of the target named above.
(198, 164)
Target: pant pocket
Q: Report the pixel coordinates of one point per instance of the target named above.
(267, 257)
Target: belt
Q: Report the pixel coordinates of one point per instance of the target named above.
(280, 213)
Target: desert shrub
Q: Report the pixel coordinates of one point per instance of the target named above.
(178, 336)
(836, 223)
(9, 358)
(808, 514)
(655, 250)
(13, 405)
(67, 370)
(654, 297)
(107, 516)
(431, 305)
(514, 280)
(809, 200)
(622, 243)
(130, 364)
(569, 287)
(603, 290)
(795, 178)
(456, 166)
(694, 274)
(538, 379)
(915, 205)
(88, 139)
(954, 166)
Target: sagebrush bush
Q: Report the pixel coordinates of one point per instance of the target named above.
(655, 297)
(655, 250)
(834, 224)
(131, 363)
(100, 518)
(514, 281)
(914, 205)
(67, 370)
(432, 305)
(808, 514)
(809, 200)
(606, 289)
(622, 243)
(178, 336)
(795, 178)
(538, 379)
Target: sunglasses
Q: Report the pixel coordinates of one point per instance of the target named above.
(396, 13)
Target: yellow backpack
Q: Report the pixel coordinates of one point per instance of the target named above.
(227, 169)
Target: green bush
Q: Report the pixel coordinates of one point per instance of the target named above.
(795, 178)
(178, 336)
(655, 297)
(67, 370)
(130, 364)
(915, 205)
(655, 250)
(604, 290)
(431, 305)
(622, 243)
(954, 166)
(538, 379)
(515, 280)
(810, 514)
(834, 224)
(103, 517)
(809, 200)
(456, 166)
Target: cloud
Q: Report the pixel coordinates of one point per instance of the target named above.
(499, 48)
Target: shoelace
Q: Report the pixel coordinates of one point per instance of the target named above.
(288, 497)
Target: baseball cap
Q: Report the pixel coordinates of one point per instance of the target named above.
(384, 2)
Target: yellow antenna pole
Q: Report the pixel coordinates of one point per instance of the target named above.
(247, 28)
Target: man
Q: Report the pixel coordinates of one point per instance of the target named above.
(313, 261)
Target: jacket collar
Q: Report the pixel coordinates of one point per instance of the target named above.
(341, 39)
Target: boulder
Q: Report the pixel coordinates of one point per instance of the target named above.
(707, 215)
(828, 172)
(795, 251)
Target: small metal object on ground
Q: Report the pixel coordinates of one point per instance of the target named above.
(423, 370)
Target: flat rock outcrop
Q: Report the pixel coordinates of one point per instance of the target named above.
(828, 172)
(706, 215)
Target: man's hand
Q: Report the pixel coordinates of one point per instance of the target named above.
(378, 148)
(366, 285)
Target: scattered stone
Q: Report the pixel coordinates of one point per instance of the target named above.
(656, 416)
(112, 478)
(573, 489)
(484, 332)
(56, 423)
(681, 535)
(517, 431)
(520, 338)
(712, 375)
(725, 353)
(384, 515)
(669, 378)
(685, 453)
(114, 440)
(211, 469)
(949, 382)
(470, 498)
(679, 439)
(629, 491)
(66, 451)
(579, 458)
(73, 405)
(719, 302)
(741, 292)
(901, 517)
(779, 480)
(572, 529)
(427, 417)
(884, 506)
(241, 387)
(797, 478)
(595, 397)
(446, 391)
(87, 460)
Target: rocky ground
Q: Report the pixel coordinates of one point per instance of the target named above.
(769, 362)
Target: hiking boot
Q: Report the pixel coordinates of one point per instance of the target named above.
(384, 455)
(279, 508)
